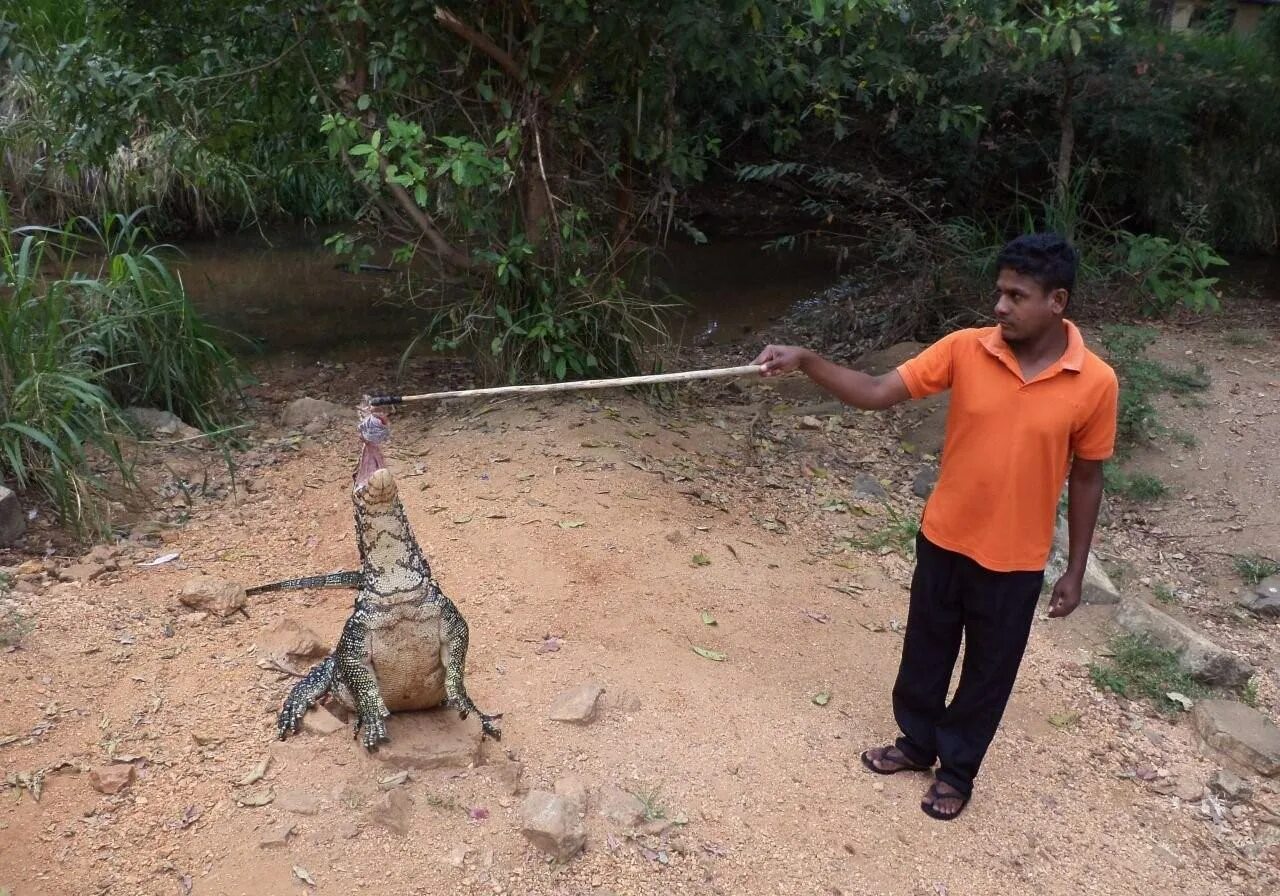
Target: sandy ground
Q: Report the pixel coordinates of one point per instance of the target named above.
(758, 786)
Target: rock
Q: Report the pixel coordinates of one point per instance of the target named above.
(81, 572)
(1230, 786)
(293, 639)
(277, 836)
(619, 807)
(457, 857)
(13, 522)
(306, 410)
(1189, 791)
(1166, 855)
(577, 704)
(1202, 658)
(160, 423)
(573, 790)
(810, 422)
(425, 740)
(393, 811)
(1244, 739)
(510, 775)
(299, 802)
(1097, 589)
(1263, 600)
(320, 722)
(346, 829)
(111, 778)
(213, 595)
(866, 486)
(926, 479)
(551, 825)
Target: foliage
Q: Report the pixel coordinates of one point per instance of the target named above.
(1139, 668)
(1134, 486)
(1253, 568)
(1170, 273)
(1141, 379)
(75, 348)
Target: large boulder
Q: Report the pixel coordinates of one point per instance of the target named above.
(13, 523)
(160, 423)
(1203, 659)
(1098, 588)
(1264, 598)
(1245, 740)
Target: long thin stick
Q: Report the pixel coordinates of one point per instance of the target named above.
(617, 382)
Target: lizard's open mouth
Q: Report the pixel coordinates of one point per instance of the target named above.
(373, 430)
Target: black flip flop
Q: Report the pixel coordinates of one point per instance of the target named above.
(932, 796)
(907, 766)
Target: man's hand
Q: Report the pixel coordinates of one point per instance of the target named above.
(1066, 595)
(780, 359)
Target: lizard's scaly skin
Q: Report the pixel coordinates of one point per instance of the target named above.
(404, 646)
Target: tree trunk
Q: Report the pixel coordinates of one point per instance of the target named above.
(1066, 142)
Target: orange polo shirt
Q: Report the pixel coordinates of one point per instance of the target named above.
(1009, 443)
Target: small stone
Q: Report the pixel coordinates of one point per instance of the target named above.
(1166, 855)
(1189, 791)
(157, 422)
(13, 522)
(457, 857)
(392, 811)
(81, 572)
(619, 807)
(810, 422)
(277, 836)
(321, 722)
(578, 704)
(573, 790)
(214, 595)
(426, 740)
(293, 639)
(510, 775)
(1244, 739)
(306, 410)
(1230, 786)
(926, 479)
(111, 778)
(866, 486)
(299, 802)
(657, 827)
(551, 825)
(206, 738)
(346, 829)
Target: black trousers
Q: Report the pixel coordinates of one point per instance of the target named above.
(950, 595)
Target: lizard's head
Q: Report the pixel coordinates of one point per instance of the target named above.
(374, 484)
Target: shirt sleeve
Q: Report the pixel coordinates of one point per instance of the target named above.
(932, 370)
(1095, 437)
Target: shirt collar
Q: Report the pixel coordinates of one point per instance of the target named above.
(1072, 357)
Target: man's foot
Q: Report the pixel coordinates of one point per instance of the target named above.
(889, 761)
(942, 801)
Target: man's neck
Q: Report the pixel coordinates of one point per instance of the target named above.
(1047, 347)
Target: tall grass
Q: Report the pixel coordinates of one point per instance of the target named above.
(76, 347)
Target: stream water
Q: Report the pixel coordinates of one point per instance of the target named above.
(287, 292)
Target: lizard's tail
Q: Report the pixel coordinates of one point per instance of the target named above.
(332, 580)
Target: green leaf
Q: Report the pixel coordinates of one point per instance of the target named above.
(707, 618)
(819, 10)
(361, 149)
(714, 655)
(1075, 42)
(700, 560)
(822, 699)
(364, 102)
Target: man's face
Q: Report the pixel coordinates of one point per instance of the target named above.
(1025, 309)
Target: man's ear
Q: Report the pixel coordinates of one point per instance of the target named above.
(1058, 300)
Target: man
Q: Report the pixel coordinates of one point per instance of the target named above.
(1030, 404)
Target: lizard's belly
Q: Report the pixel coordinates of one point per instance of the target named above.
(406, 656)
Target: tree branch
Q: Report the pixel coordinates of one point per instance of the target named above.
(481, 42)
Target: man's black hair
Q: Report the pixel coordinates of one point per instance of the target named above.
(1046, 258)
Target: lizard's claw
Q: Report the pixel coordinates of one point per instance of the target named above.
(489, 728)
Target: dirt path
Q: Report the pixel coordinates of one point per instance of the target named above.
(752, 787)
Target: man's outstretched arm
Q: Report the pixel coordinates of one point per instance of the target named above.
(853, 387)
(1084, 497)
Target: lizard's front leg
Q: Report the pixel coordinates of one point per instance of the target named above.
(356, 670)
(454, 645)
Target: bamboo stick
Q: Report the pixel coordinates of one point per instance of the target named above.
(536, 388)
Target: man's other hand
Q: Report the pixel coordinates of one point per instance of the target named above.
(780, 359)
(1066, 596)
